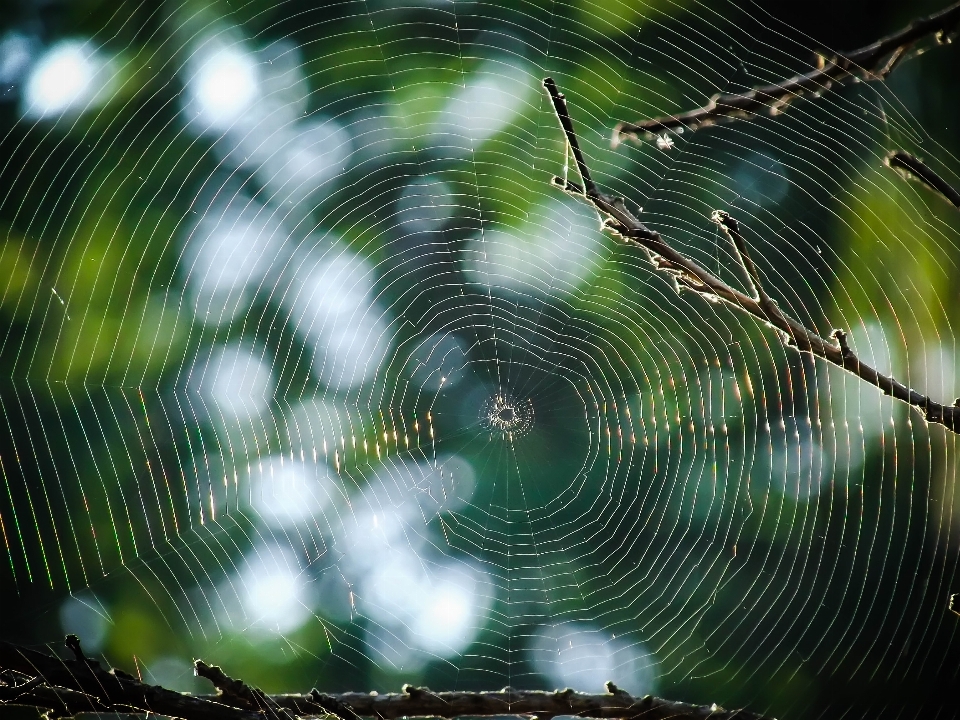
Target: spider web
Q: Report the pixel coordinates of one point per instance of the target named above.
(309, 371)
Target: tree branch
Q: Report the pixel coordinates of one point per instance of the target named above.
(55, 702)
(903, 160)
(237, 691)
(872, 62)
(83, 685)
(614, 704)
(692, 276)
(732, 230)
(66, 687)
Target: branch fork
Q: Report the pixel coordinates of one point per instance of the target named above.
(690, 275)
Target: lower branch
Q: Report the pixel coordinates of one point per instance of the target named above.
(615, 703)
(82, 685)
(237, 691)
(63, 688)
(55, 702)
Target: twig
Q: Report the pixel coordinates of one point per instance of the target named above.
(567, 125)
(73, 645)
(238, 691)
(691, 275)
(872, 62)
(82, 685)
(56, 702)
(68, 687)
(333, 705)
(614, 704)
(903, 160)
(732, 230)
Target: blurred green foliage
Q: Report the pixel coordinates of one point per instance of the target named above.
(107, 453)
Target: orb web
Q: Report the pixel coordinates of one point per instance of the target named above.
(511, 417)
(308, 370)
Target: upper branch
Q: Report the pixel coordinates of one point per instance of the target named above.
(687, 272)
(692, 276)
(903, 160)
(872, 62)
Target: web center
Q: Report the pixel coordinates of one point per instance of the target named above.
(502, 413)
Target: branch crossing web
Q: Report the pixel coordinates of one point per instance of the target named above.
(309, 369)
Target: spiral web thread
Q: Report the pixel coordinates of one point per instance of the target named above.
(305, 359)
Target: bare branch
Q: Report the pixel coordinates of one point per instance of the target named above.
(691, 275)
(615, 703)
(872, 62)
(560, 108)
(68, 687)
(915, 167)
(732, 230)
(55, 702)
(241, 693)
(83, 685)
(333, 705)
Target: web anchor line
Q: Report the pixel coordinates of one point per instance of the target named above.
(871, 62)
(690, 275)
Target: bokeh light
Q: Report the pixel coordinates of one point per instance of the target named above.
(312, 370)
(69, 77)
